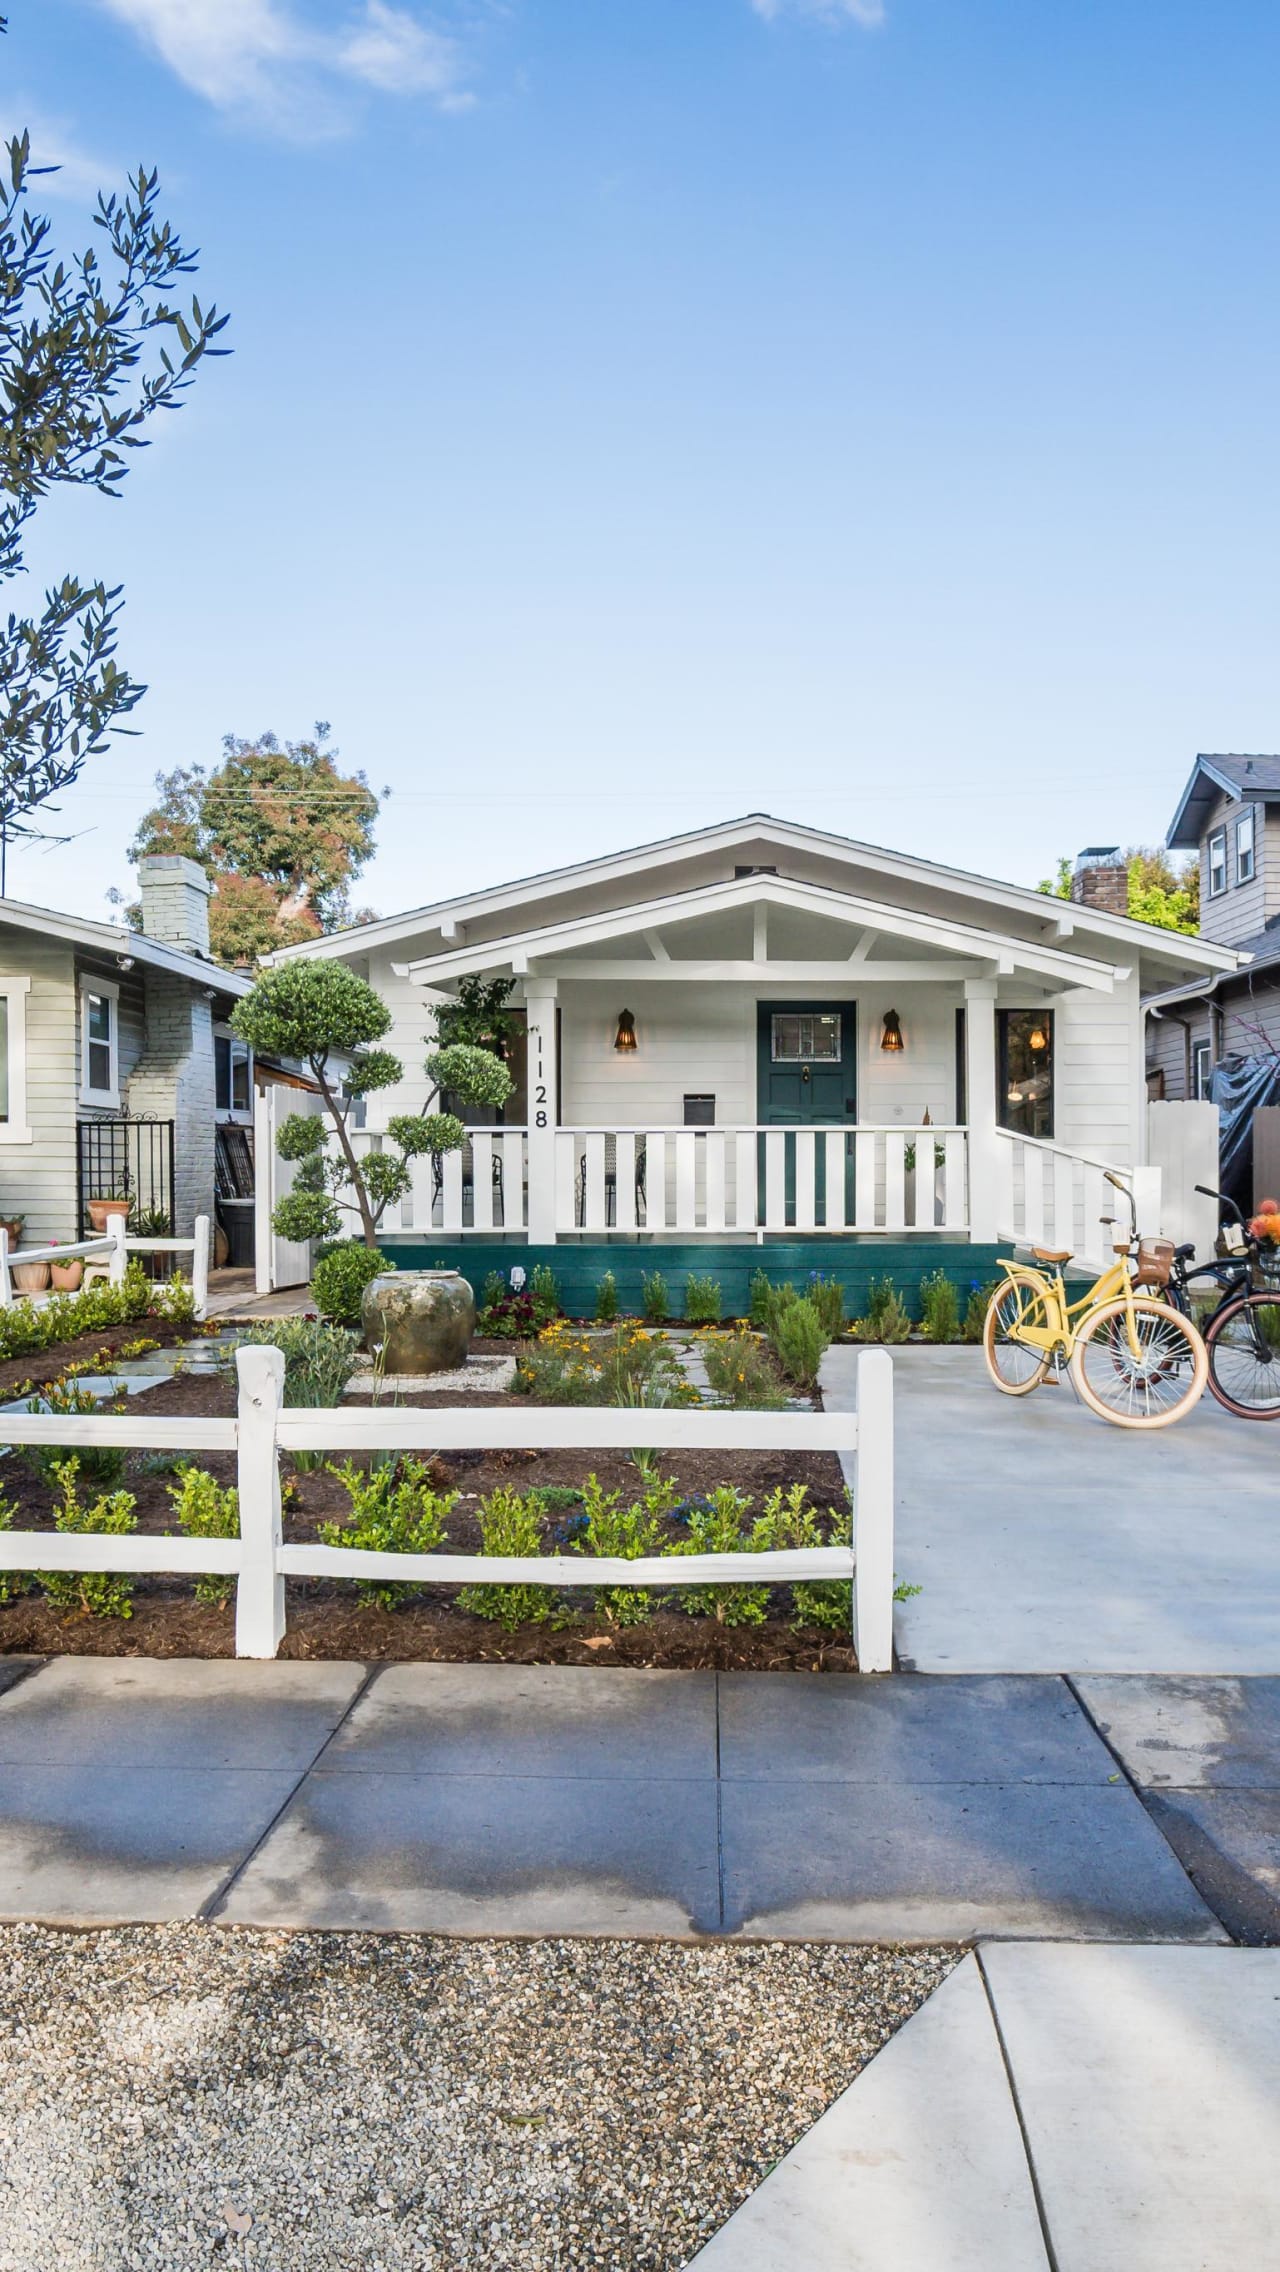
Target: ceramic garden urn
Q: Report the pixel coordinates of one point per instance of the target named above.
(422, 1320)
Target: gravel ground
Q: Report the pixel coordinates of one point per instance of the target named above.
(181, 2096)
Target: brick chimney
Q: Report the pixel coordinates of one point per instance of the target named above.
(1101, 879)
(175, 901)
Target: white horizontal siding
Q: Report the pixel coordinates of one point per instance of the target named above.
(38, 1179)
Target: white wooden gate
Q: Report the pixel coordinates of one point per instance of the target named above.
(279, 1262)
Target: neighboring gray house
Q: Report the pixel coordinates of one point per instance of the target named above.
(1230, 813)
(117, 1068)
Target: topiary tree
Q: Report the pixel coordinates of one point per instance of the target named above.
(317, 1012)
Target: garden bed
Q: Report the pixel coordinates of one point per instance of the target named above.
(327, 1619)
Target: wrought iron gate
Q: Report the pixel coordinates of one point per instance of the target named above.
(133, 1157)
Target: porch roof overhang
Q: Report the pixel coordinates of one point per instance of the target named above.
(960, 950)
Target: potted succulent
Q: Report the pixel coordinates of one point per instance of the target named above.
(106, 1204)
(13, 1225)
(66, 1276)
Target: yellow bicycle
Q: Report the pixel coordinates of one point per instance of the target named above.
(1133, 1359)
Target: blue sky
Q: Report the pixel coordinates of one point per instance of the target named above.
(644, 411)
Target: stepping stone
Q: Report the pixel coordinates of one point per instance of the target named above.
(918, 2167)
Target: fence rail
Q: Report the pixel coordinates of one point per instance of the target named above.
(113, 1248)
(260, 1561)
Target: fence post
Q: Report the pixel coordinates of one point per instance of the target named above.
(873, 1514)
(200, 1265)
(118, 1260)
(6, 1284)
(260, 1590)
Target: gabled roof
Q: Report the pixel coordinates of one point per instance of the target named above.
(644, 865)
(116, 943)
(1251, 779)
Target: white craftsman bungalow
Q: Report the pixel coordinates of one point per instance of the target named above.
(760, 1031)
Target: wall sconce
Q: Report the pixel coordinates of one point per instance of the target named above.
(891, 1039)
(625, 1038)
(1037, 1040)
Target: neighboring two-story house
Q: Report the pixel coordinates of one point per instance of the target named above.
(1230, 814)
(118, 1070)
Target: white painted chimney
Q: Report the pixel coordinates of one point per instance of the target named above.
(175, 901)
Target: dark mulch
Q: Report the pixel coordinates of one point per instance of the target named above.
(326, 1619)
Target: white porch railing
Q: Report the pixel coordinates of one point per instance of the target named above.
(755, 1178)
(1048, 1196)
(260, 1561)
(677, 1179)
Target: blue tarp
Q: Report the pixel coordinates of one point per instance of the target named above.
(1238, 1085)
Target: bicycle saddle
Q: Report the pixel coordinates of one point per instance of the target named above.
(1051, 1253)
(1184, 1253)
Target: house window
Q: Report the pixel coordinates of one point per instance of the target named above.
(99, 1033)
(232, 1075)
(1024, 1042)
(1201, 1068)
(13, 1061)
(1244, 848)
(1217, 862)
(803, 1039)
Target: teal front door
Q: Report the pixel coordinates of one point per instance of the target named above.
(806, 1060)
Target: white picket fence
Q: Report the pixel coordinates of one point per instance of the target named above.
(113, 1248)
(260, 1560)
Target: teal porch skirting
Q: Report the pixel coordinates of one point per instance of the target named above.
(580, 1263)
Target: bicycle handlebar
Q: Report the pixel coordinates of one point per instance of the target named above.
(1206, 1192)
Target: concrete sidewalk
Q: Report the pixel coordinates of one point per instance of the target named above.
(1080, 2109)
(504, 1799)
(1044, 1540)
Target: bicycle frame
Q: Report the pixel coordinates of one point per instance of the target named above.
(1115, 1283)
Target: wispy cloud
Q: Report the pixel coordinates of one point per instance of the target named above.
(53, 143)
(868, 13)
(264, 58)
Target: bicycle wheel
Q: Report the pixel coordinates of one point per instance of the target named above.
(1014, 1365)
(1147, 1390)
(1243, 1342)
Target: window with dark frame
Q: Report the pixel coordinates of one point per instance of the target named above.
(1245, 847)
(804, 1037)
(232, 1062)
(1201, 1069)
(1217, 862)
(1024, 1071)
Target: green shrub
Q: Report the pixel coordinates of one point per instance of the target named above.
(206, 1510)
(567, 1368)
(827, 1297)
(509, 1524)
(760, 1302)
(939, 1308)
(791, 1525)
(887, 1317)
(799, 1342)
(26, 1329)
(393, 1511)
(100, 1464)
(655, 1298)
(545, 1293)
(629, 1533)
(319, 1359)
(742, 1373)
(975, 1310)
(97, 1593)
(720, 1527)
(607, 1299)
(493, 1291)
(703, 1301)
(340, 1276)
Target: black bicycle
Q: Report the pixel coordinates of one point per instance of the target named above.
(1242, 1329)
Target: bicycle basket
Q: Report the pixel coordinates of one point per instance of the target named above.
(1155, 1262)
(1266, 1264)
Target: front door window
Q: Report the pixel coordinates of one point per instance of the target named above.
(806, 1037)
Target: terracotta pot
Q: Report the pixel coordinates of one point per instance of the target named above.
(30, 1277)
(66, 1276)
(13, 1225)
(101, 1210)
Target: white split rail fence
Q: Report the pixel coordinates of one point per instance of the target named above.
(114, 1247)
(260, 1560)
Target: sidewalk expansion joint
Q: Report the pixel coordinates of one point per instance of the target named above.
(1038, 2197)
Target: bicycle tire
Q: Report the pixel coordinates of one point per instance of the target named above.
(1026, 1369)
(1173, 1359)
(1238, 1363)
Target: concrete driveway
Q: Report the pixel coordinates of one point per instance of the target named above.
(1045, 1540)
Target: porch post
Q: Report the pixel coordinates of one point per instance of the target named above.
(980, 1107)
(540, 1012)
